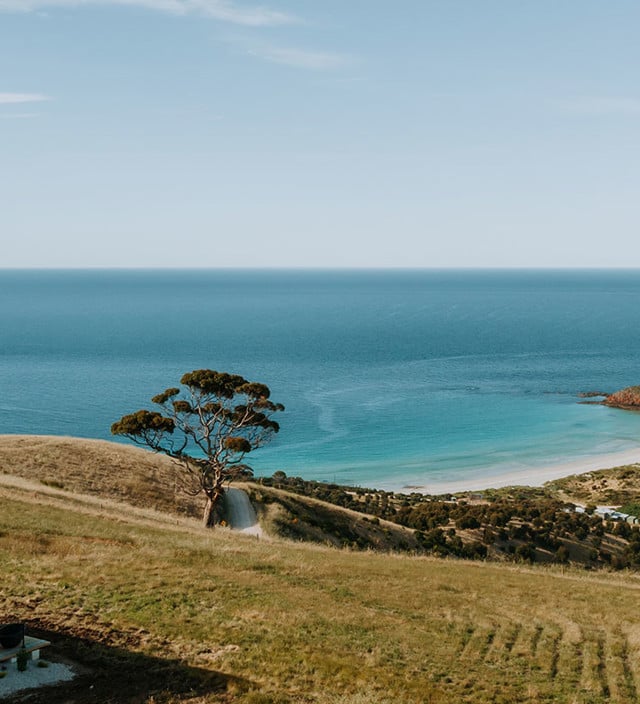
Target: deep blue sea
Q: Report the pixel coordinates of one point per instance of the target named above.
(389, 378)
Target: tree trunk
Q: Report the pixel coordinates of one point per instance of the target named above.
(211, 507)
(208, 517)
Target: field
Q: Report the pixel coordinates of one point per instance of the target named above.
(157, 609)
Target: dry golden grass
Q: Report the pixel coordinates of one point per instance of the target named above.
(116, 472)
(304, 518)
(283, 622)
(108, 470)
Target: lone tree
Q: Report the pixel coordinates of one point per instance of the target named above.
(207, 427)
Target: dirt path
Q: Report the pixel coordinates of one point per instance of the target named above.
(241, 515)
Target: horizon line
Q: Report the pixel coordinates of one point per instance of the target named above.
(303, 268)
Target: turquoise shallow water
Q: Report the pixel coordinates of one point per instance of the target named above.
(389, 378)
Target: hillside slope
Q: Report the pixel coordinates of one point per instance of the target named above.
(305, 518)
(517, 524)
(98, 468)
(116, 472)
(166, 613)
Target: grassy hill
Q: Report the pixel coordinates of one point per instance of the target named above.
(115, 472)
(304, 518)
(97, 468)
(515, 523)
(157, 609)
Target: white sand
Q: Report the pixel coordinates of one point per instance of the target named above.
(533, 476)
(33, 676)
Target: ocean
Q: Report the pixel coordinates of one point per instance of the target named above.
(390, 379)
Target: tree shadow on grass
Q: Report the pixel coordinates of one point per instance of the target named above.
(113, 674)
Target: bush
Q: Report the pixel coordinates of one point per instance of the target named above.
(526, 553)
(631, 508)
(22, 660)
(467, 522)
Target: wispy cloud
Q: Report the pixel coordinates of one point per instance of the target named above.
(222, 10)
(17, 115)
(300, 58)
(250, 16)
(603, 106)
(17, 98)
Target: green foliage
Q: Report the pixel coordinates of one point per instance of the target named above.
(526, 553)
(22, 660)
(237, 444)
(42, 663)
(516, 524)
(143, 423)
(208, 427)
(165, 395)
(633, 508)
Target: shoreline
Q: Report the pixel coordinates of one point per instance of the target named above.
(531, 476)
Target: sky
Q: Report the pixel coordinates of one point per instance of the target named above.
(319, 133)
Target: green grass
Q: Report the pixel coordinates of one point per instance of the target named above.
(163, 611)
(633, 508)
(287, 622)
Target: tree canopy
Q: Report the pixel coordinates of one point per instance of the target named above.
(208, 426)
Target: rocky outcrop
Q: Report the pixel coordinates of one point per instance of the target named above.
(628, 398)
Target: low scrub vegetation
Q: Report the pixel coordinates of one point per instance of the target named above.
(613, 487)
(517, 524)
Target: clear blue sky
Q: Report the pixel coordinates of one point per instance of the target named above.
(415, 133)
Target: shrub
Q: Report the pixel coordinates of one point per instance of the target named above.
(526, 553)
(468, 521)
(22, 659)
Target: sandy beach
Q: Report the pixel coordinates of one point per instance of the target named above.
(532, 476)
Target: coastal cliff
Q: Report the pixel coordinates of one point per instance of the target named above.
(628, 398)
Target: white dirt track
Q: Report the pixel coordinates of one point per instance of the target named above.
(240, 513)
